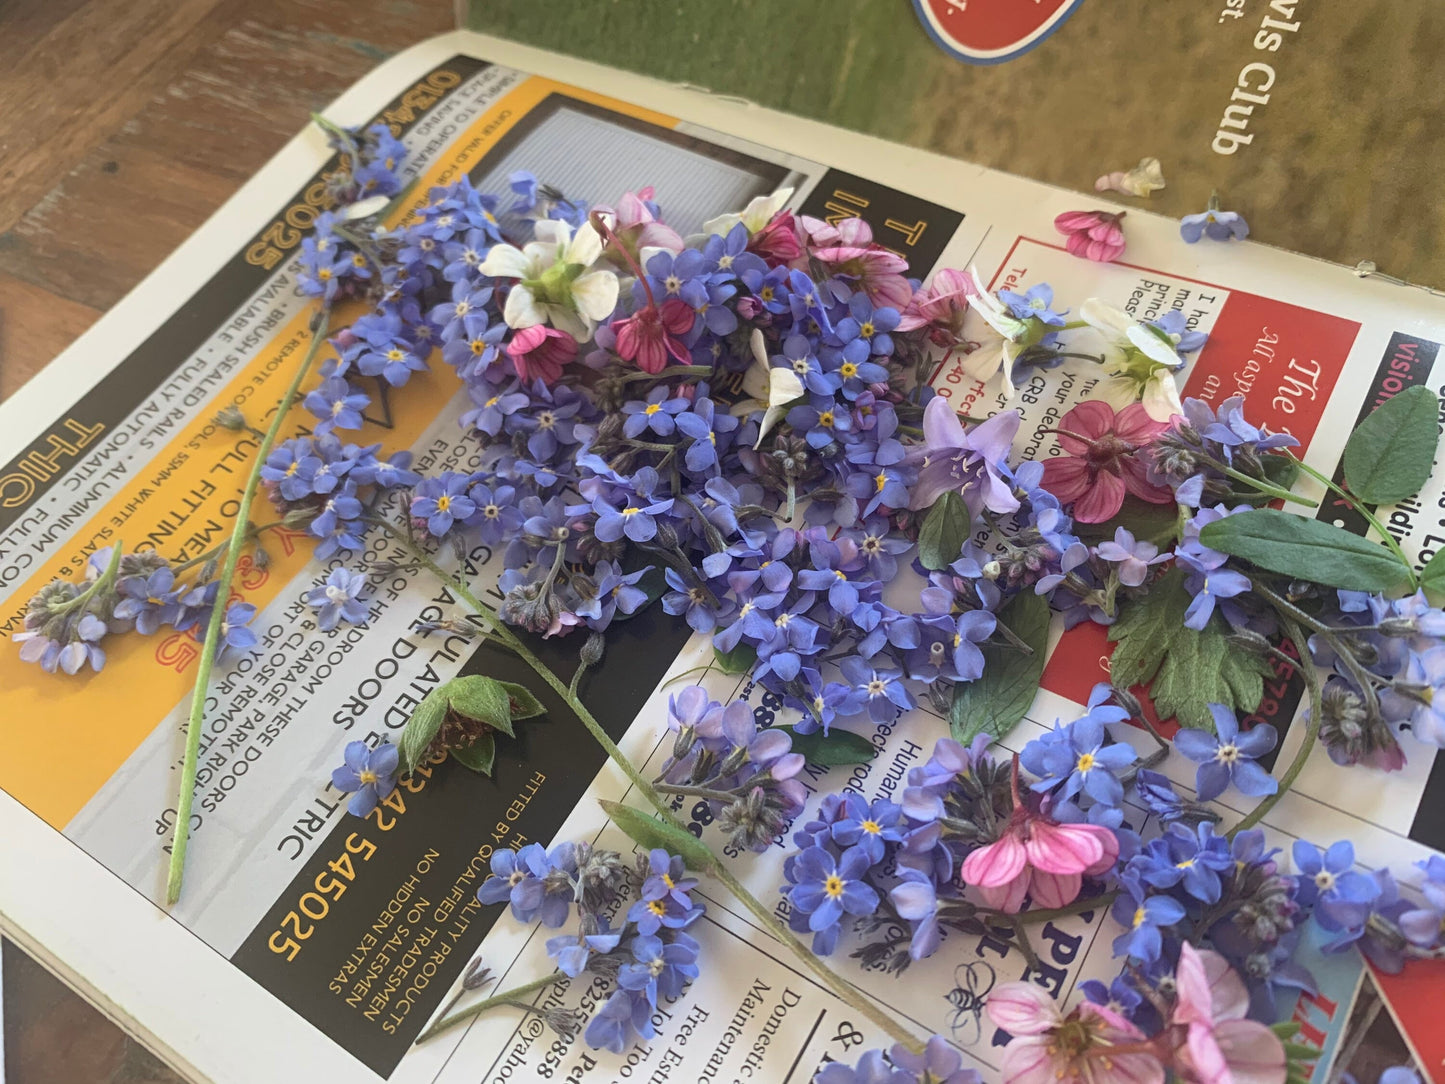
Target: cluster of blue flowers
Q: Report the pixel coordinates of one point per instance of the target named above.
(650, 956)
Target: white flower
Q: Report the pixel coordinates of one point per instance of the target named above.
(1000, 336)
(554, 285)
(770, 388)
(755, 216)
(1140, 360)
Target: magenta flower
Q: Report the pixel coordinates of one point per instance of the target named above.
(1221, 1047)
(847, 249)
(940, 306)
(1094, 235)
(652, 334)
(539, 352)
(1038, 857)
(777, 242)
(637, 226)
(1103, 463)
(1083, 1047)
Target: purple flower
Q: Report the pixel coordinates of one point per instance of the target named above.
(865, 330)
(572, 951)
(1143, 918)
(1215, 224)
(529, 879)
(660, 968)
(657, 414)
(1227, 756)
(497, 516)
(383, 349)
(667, 878)
(653, 915)
(1208, 581)
(880, 691)
(613, 1025)
(868, 826)
(703, 425)
(1330, 875)
(633, 520)
(826, 888)
(443, 501)
(234, 632)
(291, 467)
(1427, 671)
(338, 599)
(368, 775)
(336, 404)
(697, 605)
(1036, 302)
(973, 463)
(150, 601)
(1074, 758)
(1132, 557)
(616, 591)
(1195, 859)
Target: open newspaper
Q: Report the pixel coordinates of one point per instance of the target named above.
(309, 942)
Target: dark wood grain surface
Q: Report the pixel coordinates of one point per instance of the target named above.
(123, 125)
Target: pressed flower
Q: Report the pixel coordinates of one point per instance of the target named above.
(1213, 223)
(539, 353)
(1143, 179)
(1221, 1046)
(1103, 460)
(554, 285)
(1049, 1047)
(1094, 235)
(1141, 360)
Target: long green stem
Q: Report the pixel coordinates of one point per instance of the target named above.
(218, 612)
(765, 917)
(1265, 487)
(1311, 737)
(1370, 517)
(446, 1023)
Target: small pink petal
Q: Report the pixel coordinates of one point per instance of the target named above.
(1031, 1060)
(1066, 478)
(1136, 481)
(1253, 1052)
(1134, 425)
(1091, 419)
(1062, 848)
(1111, 853)
(1022, 1008)
(1101, 502)
(996, 864)
(1054, 889)
(1076, 221)
(1195, 1003)
(1008, 898)
(1228, 996)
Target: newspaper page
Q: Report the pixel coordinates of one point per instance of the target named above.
(308, 940)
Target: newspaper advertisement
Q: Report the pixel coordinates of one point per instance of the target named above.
(361, 928)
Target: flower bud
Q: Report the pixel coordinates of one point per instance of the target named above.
(230, 418)
(591, 653)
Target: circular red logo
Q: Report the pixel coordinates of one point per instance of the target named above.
(991, 31)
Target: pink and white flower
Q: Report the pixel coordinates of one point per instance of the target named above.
(538, 353)
(1220, 1046)
(1082, 1047)
(940, 306)
(1094, 235)
(1038, 857)
(848, 249)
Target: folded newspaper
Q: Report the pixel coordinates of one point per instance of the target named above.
(116, 439)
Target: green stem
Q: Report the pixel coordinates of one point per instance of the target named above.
(218, 611)
(1350, 499)
(842, 989)
(696, 792)
(1264, 487)
(446, 1023)
(1311, 737)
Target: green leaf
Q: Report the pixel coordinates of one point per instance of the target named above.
(524, 704)
(1432, 578)
(652, 833)
(479, 755)
(1306, 548)
(838, 747)
(1185, 670)
(483, 699)
(422, 728)
(944, 531)
(1390, 455)
(999, 699)
(737, 661)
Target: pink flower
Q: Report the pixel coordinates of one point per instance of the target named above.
(1080, 1048)
(847, 249)
(1103, 463)
(777, 243)
(650, 334)
(635, 226)
(539, 352)
(1038, 857)
(1094, 235)
(1221, 1046)
(940, 306)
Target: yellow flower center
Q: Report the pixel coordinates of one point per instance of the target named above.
(367, 776)
(880, 481)
(1138, 918)
(657, 907)
(826, 419)
(872, 827)
(667, 880)
(358, 260)
(833, 886)
(866, 331)
(652, 408)
(324, 273)
(632, 510)
(493, 400)
(478, 346)
(443, 503)
(766, 293)
(1086, 761)
(394, 354)
(847, 370)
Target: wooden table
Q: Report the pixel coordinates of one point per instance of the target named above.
(123, 125)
